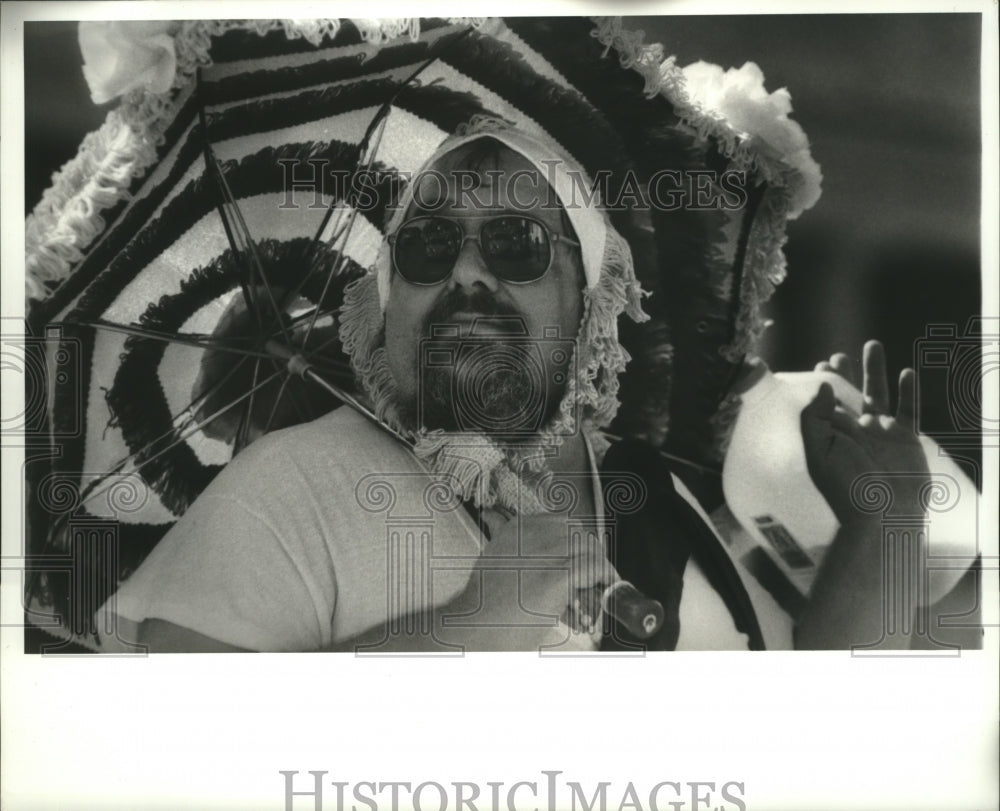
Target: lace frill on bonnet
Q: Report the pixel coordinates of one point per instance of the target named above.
(480, 469)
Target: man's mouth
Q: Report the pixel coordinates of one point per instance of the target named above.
(461, 314)
(477, 324)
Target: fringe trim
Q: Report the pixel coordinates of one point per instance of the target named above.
(468, 464)
(764, 270)
(601, 356)
(664, 77)
(765, 261)
(68, 217)
(362, 337)
(479, 468)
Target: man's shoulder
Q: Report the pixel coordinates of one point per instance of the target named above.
(330, 454)
(342, 437)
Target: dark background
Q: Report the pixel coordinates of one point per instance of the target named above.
(891, 106)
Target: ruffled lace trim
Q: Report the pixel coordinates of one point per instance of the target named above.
(665, 77)
(68, 217)
(764, 265)
(362, 337)
(479, 468)
(764, 270)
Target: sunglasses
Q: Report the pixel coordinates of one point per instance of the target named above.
(516, 249)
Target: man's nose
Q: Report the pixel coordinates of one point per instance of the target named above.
(470, 269)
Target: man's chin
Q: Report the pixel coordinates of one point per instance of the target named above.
(497, 399)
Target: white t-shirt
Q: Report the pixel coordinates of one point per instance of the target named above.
(330, 535)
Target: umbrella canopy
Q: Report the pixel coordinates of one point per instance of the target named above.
(230, 176)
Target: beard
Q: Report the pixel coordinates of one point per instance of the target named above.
(487, 390)
(481, 373)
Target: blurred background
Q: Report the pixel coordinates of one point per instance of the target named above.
(891, 106)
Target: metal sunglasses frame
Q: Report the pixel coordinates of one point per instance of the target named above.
(553, 237)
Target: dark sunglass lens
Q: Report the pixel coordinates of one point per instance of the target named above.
(425, 250)
(516, 248)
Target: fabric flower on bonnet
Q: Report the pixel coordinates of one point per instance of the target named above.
(739, 96)
(122, 55)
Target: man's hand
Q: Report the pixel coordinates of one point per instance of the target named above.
(848, 600)
(841, 446)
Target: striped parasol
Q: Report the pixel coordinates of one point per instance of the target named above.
(205, 234)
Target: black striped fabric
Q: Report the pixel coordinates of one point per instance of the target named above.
(164, 262)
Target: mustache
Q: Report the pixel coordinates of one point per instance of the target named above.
(480, 302)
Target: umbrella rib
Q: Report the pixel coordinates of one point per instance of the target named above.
(380, 117)
(377, 124)
(300, 408)
(335, 270)
(246, 416)
(338, 266)
(191, 408)
(344, 397)
(251, 248)
(201, 398)
(277, 402)
(245, 287)
(383, 113)
(354, 403)
(310, 255)
(88, 493)
(352, 215)
(213, 167)
(189, 431)
(142, 332)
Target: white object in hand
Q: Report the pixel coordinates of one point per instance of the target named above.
(768, 488)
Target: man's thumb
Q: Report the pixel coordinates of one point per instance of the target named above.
(821, 406)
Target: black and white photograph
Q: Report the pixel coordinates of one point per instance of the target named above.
(569, 411)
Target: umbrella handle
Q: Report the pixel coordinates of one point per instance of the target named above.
(639, 615)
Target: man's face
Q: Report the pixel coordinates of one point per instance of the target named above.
(484, 362)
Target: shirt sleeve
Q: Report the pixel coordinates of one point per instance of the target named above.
(225, 571)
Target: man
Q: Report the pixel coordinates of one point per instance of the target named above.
(487, 335)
